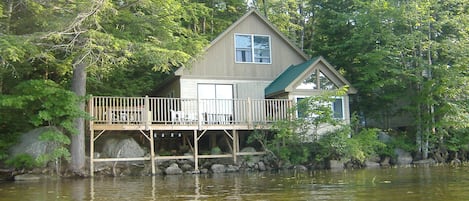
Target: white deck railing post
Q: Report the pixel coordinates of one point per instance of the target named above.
(146, 112)
(199, 115)
(249, 112)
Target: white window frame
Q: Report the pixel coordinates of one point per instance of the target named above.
(331, 105)
(253, 57)
(342, 106)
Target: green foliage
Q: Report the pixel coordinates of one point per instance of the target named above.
(342, 144)
(44, 103)
(401, 140)
(294, 140)
(215, 150)
(40, 103)
(457, 140)
(21, 161)
(55, 155)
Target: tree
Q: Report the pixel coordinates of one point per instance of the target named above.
(288, 16)
(155, 45)
(94, 36)
(400, 55)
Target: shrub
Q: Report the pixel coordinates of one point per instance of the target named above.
(342, 144)
(21, 161)
(38, 103)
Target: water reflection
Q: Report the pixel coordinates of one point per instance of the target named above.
(438, 183)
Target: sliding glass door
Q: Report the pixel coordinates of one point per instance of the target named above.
(216, 102)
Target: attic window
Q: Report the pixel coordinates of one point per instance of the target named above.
(317, 81)
(252, 48)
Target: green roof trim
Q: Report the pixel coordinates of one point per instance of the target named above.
(287, 77)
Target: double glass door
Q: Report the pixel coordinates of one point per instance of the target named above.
(216, 103)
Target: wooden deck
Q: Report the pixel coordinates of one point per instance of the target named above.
(152, 115)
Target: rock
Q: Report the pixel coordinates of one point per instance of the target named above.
(455, 162)
(187, 167)
(252, 158)
(384, 137)
(173, 169)
(122, 148)
(250, 164)
(336, 165)
(189, 154)
(261, 166)
(403, 157)
(386, 162)
(301, 168)
(218, 168)
(372, 164)
(204, 171)
(248, 149)
(31, 144)
(425, 162)
(6, 174)
(232, 168)
(27, 177)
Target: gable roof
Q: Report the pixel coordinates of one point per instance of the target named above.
(266, 21)
(255, 13)
(287, 77)
(295, 72)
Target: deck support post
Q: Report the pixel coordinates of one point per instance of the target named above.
(91, 111)
(196, 151)
(152, 153)
(92, 152)
(235, 147)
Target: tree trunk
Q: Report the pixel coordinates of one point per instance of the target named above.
(77, 147)
(9, 12)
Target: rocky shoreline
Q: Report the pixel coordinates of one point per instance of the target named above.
(129, 148)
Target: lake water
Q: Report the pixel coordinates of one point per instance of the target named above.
(401, 184)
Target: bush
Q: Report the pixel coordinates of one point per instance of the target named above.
(21, 161)
(38, 103)
(342, 144)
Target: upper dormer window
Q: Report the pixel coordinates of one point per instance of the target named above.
(252, 48)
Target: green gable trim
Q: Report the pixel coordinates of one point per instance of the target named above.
(287, 77)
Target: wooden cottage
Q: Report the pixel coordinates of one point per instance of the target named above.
(248, 77)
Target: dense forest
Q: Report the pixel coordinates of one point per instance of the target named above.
(407, 59)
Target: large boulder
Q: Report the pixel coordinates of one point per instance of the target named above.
(425, 162)
(300, 168)
(173, 169)
(261, 166)
(27, 177)
(31, 144)
(372, 164)
(122, 148)
(403, 157)
(252, 158)
(384, 137)
(218, 168)
(232, 168)
(336, 165)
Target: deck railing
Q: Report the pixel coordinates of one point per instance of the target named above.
(181, 111)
